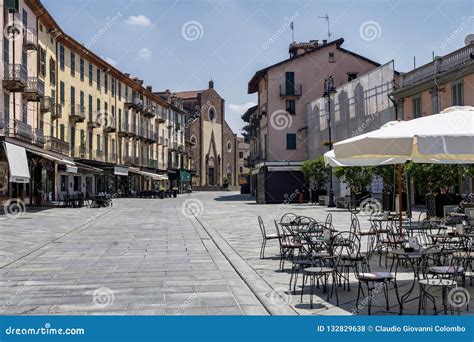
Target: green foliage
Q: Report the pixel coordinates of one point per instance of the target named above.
(388, 174)
(438, 178)
(357, 178)
(315, 170)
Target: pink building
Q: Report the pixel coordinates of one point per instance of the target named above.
(284, 91)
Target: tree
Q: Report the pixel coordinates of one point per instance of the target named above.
(357, 178)
(315, 171)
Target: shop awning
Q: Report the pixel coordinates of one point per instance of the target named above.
(87, 168)
(144, 173)
(19, 172)
(55, 159)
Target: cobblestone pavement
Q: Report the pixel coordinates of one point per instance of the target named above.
(154, 257)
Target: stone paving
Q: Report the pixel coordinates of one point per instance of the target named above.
(148, 257)
(143, 256)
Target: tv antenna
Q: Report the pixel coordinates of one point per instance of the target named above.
(326, 17)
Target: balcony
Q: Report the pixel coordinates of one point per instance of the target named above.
(56, 145)
(39, 137)
(98, 155)
(295, 90)
(160, 116)
(78, 113)
(123, 130)
(56, 111)
(93, 121)
(110, 126)
(15, 78)
(161, 140)
(181, 148)
(132, 132)
(441, 65)
(34, 90)
(79, 152)
(30, 41)
(22, 131)
(149, 111)
(46, 104)
(134, 102)
(173, 146)
(129, 160)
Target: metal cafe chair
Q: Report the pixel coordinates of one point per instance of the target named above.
(265, 237)
(287, 245)
(372, 280)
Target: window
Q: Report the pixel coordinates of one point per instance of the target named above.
(77, 183)
(290, 107)
(241, 169)
(81, 99)
(98, 79)
(212, 114)
(61, 57)
(98, 142)
(81, 68)
(351, 76)
(73, 99)
(52, 71)
(91, 74)
(265, 146)
(229, 146)
(289, 83)
(25, 18)
(6, 107)
(73, 137)
(6, 51)
(331, 57)
(416, 107)
(73, 64)
(106, 83)
(64, 180)
(98, 106)
(291, 141)
(42, 62)
(241, 155)
(62, 96)
(62, 132)
(90, 108)
(119, 90)
(126, 92)
(112, 87)
(457, 93)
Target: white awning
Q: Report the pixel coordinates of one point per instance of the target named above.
(144, 173)
(19, 172)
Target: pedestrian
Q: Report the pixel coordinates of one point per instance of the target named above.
(189, 189)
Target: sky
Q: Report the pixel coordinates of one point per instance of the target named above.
(182, 44)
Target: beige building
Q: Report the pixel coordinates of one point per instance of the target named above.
(75, 123)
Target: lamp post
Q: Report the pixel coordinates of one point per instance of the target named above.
(328, 90)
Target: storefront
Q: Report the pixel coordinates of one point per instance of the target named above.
(15, 173)
(180, 179)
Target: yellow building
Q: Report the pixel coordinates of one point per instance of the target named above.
(96, 128)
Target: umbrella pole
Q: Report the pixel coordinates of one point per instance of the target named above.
(400, 193)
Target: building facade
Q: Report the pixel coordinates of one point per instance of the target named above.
(429, 89)
(76, 123)
(284, 90)
(212, 142)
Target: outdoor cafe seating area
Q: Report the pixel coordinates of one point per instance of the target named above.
(415, 266)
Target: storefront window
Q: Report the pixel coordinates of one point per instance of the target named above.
(77, 183)
(64, 183)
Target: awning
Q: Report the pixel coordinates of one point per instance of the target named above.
(85, 168)
(144, 173)
(120, 171)
(51, 157)
(19, 172)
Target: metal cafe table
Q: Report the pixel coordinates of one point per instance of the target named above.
(412, 258)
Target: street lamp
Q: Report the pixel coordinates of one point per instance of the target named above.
(328, 90)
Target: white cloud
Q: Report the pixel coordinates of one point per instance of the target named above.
(144, 54)
(241, 108)
(111, 61)
(139, 20)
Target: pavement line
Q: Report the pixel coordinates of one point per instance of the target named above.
(254, 281)
(89, 221)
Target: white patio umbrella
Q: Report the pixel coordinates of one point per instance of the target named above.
(444, 138)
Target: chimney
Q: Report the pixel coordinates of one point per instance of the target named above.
(149, 88)
(315, 42)
(211, 84)
(127, 75)
(325, 41)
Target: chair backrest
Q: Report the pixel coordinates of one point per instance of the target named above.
(288, 217)
(432, 256)
(262, 226)
(355, 225)
(345, 244)
(328, 222)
